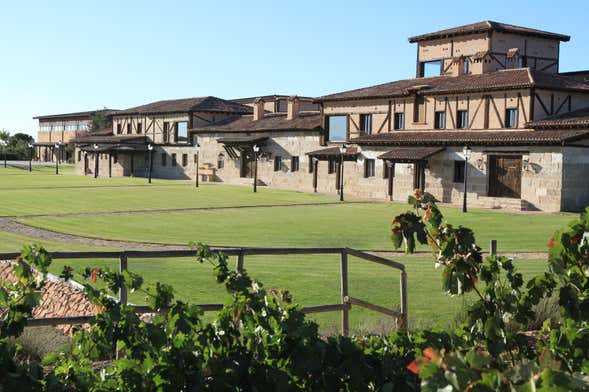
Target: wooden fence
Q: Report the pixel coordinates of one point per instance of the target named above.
(400, 315)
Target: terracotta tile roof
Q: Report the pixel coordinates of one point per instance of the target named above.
(306, 121)
(488, 26)
(58, 298)
(242, 139)
(404, 154)
(500, 80)
(473, 138)
(87, 114)
(351, 152)
(199, 104)
(575, 119)
(109, 137)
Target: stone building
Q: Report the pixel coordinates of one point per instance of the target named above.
(61, 129)
(497, 90)
(491, 87)
(162, 125)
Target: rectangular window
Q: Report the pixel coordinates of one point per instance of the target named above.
(139, 127)
(369, 168)
(119, 128)
(128, 128)
(461, 119)
(337, 128)
(166, 132)
(464, 66)
(182, 132)
(184, 159)
(440, 120)
(221, 161)
(459, 171)
(277, 163)
(294, 164)
(399, 121)
(174, 161)
(79, 156)
(311, 164)
(366, 124)
(164, 158)
(331, 165)
(428, 69)
(511, 118)
(419, 109)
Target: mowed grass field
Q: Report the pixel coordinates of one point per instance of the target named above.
(270, 218)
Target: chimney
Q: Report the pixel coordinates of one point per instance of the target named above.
(258, 109)
(293, 109)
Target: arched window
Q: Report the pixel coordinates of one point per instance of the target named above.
(221, 161)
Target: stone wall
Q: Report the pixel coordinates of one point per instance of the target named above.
(575, 186)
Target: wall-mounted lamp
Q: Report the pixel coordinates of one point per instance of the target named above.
(526, 162)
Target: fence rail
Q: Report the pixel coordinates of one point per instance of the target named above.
(344, 306)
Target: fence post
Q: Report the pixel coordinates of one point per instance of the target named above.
(122, 268)
(344, 287)
(404, 311)
(493, 247)
(239, 265)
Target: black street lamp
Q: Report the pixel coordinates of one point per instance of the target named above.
(96, 161)
(30, 157)
(197, 149)
(256, 149)
(466, 151)
(57, 158)
(3, 144)
(149, 151)
(342, 151)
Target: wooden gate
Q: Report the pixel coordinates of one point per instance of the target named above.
(505, 175)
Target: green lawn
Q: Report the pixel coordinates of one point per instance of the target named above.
(313, 280)
(356, 225)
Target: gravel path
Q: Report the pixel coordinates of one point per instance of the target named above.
(10, 225)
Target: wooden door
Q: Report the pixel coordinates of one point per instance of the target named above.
(247, 165)
(505, 175)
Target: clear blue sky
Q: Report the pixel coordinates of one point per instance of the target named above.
(64, 56)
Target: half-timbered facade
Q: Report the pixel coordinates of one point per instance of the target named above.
(493, 84)
(59, 130)
(163, 126)
(491, 87)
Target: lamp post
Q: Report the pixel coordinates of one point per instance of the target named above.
(30, 157)
(256, 149)
(197, 149)
(3, 144)
(57, 145)
(95, 161)
(342, 151)
(466, 151)
(149, 149)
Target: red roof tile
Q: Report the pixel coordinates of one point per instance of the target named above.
(473, 138)
(404, 154)
(575, 119)
(495, 81)
(199, 104)
(270, 122)
(488, 26)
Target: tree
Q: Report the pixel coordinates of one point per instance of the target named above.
(99, 121)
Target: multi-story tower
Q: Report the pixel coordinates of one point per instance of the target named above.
(485, 86)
